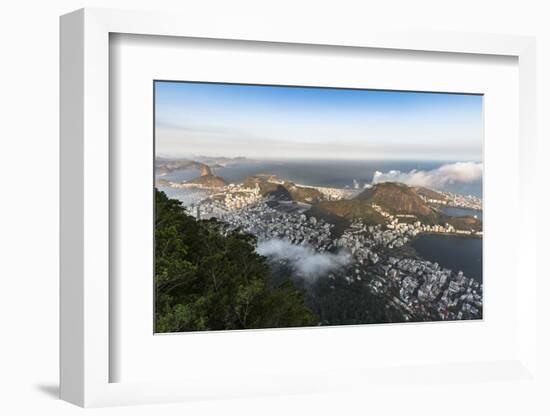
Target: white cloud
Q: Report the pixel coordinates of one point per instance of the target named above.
(304, 259)
(460, 172)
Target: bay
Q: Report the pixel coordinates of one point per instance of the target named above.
(458, 253)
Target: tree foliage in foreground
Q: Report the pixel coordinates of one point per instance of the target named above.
(207, 278)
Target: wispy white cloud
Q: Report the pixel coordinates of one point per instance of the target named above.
(449, 174)
(304, 259)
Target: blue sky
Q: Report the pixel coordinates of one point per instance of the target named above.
(321, 123)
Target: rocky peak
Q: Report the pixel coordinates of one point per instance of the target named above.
(205, 170)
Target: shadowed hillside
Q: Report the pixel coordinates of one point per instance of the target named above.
(283, 190)
(398, 198)
(463, 223)
(350, 209)
(392, 197)
(430, 193)
(341, 213)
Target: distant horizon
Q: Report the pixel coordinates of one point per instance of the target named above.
(316, 123)
(319, 159)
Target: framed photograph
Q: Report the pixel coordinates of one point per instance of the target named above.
(269, 212)
(288, 206)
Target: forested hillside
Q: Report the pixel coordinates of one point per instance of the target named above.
(209, 279)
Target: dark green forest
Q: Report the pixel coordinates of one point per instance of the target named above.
(209, 278)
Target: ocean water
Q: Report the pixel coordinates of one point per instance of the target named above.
(330, 173)
(461, 212)
(453, 252)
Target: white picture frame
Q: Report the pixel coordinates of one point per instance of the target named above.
(85, 212)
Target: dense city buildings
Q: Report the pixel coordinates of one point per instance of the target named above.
(379, 254)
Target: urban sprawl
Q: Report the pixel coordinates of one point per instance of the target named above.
(419, 289)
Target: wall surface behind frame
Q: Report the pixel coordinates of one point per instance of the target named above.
(29, 209)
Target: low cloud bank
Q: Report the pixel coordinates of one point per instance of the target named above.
(460, 172)
(304, 259)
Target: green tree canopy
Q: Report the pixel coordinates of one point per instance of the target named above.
(210, 278)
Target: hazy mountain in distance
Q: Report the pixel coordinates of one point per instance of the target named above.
(164, 165)
(208, 179)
